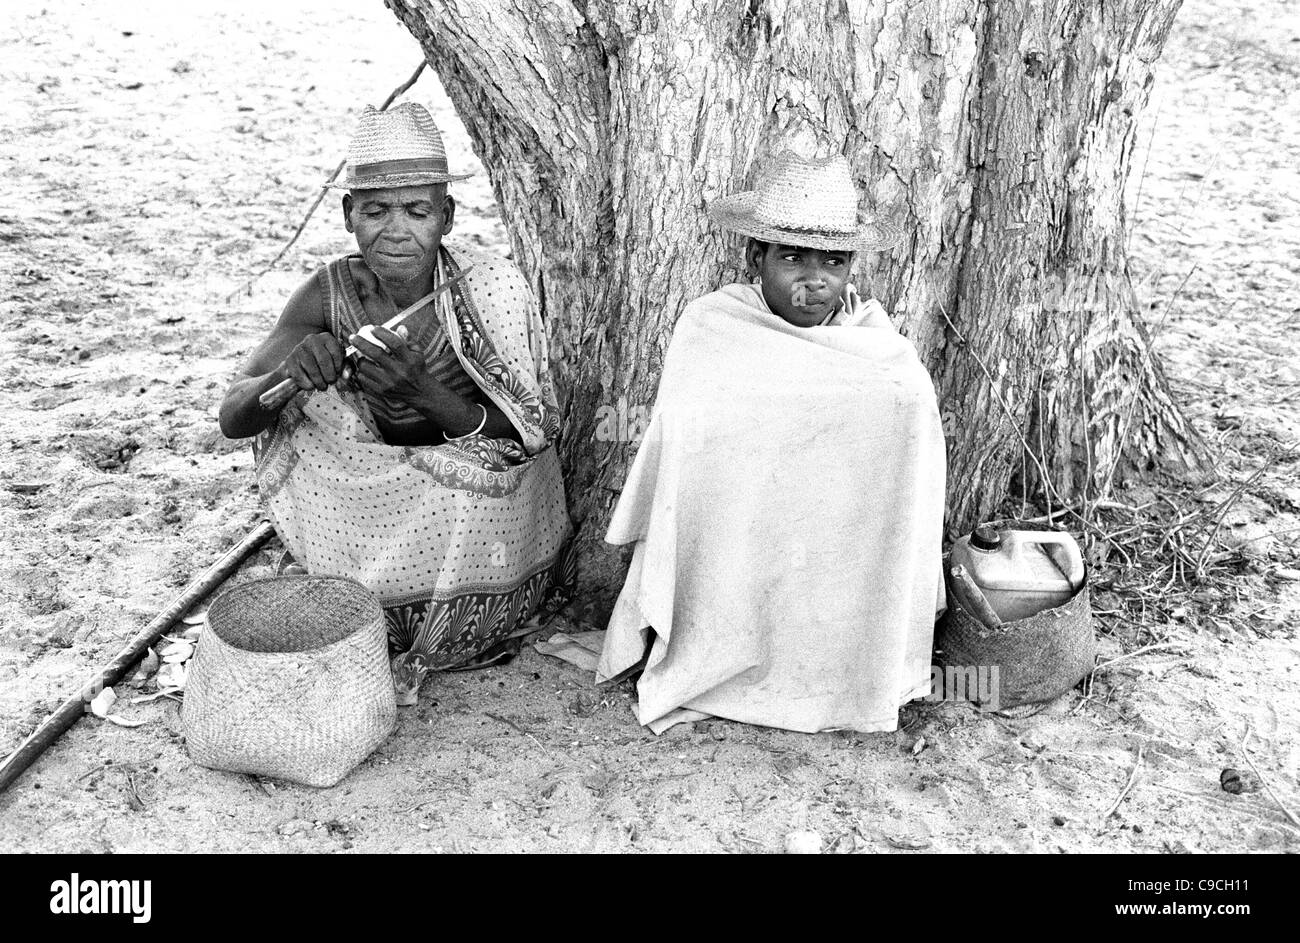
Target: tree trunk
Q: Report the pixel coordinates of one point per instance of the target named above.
(999, 133)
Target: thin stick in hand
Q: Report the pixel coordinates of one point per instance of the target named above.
(282, 392)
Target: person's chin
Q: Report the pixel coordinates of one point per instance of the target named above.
(807, 316)
(396, 268)
(800, 318)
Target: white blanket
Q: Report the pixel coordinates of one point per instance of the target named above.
(787, 508)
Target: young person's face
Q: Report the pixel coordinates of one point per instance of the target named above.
(801, 285)
(399, 229)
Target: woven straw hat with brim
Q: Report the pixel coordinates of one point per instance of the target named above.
(804, 202)
(400, 147)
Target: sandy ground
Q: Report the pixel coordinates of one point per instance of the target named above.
(152, 158)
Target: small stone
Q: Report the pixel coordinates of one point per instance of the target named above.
(1236, 781)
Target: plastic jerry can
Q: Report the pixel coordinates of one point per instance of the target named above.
(1021, 572)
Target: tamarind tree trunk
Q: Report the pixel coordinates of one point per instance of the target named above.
(998, 132)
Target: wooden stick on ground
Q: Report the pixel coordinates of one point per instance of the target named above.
(248, 285)
(74, 707)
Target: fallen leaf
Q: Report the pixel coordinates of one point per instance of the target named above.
(178, 651)
(918, 746)
(148, 665)
(196, 618)
(126, 723)
(171, 676)
(102, 702)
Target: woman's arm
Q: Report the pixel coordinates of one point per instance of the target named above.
(300, 347)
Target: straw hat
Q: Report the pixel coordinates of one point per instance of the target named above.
(400, 147)
(804, 202)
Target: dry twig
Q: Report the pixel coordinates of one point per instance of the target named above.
(518, 727)
(248, 285)
(1128, 419)
(1155, 646)
(1232, 499)
(1132, 778)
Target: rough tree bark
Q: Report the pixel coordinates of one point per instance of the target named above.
(998, 132)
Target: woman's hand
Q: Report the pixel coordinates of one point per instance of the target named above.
(389, 366)
(315, 363)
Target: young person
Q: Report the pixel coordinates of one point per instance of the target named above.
(786, 503)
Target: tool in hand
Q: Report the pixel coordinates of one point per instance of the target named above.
(277, 396)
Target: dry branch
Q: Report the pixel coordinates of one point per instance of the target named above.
(320, 197)
(1132, 778)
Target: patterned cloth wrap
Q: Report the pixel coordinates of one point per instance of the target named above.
(461, 541)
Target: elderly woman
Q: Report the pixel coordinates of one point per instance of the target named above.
(786, 503)
(425, 467)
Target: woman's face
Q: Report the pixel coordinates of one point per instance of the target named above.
(801, 285)
(399, 230)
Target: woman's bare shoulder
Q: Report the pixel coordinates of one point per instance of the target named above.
(306, 306)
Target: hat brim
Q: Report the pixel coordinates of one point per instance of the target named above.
(388, 181)
(736, 213)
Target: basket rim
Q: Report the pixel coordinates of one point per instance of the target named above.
(372, 600)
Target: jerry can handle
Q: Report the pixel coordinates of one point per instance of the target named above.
(1073, 568)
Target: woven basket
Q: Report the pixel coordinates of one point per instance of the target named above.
(291, 680)
(1038, 658)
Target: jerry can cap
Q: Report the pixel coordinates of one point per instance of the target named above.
(986, 537)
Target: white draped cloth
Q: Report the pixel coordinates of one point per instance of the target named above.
(786, 504)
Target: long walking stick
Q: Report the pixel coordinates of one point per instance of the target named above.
(71, 710)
